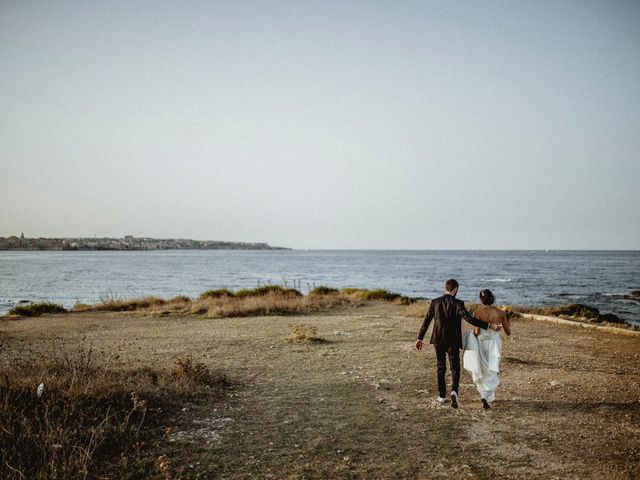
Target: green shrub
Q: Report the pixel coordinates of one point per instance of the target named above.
(220, 293)
(180, 299)
(324, 290)
(37, 309)
(268, 290)
(351, 291)
(386, 296)
(380, 294)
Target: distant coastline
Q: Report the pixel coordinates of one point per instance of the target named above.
(128, 242)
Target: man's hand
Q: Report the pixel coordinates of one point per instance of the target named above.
(495, 326)
(419, 344)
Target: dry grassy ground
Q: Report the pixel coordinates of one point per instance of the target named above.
(361, 403)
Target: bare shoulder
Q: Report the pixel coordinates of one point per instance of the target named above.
(490, 314)
(482, 314)
(498, 312)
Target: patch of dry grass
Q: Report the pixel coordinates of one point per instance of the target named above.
(269, 304)
(305, 333)
(69, 416)
(417, 309)
(261, 301)
(120, 305)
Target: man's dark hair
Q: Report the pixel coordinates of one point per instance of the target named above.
(451, 285)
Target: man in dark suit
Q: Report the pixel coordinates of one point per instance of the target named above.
(447, 313)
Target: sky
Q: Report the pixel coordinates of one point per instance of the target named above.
(323, 125)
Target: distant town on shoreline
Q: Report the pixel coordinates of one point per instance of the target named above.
(128, 242)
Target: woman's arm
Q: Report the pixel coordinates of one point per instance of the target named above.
(506, 324)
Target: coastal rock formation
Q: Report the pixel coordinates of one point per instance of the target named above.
(611, 318)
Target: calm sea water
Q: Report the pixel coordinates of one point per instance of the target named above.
(598, 278)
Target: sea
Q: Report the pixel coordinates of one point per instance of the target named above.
(603, 279)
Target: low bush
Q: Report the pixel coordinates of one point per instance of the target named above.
(179, 299)
(37, 309)
(222, 292)
(378, 295)
(268, 290)
(323, 290)
(386, 296)
(351, 291)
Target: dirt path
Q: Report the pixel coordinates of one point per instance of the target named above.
(361, 404)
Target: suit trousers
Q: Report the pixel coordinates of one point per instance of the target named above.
(442, 351)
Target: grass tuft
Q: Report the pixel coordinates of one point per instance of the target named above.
(37, 309)
(305, 333)
(324, 290)
(417, 309)
(179, 299)
(220, 293)
(351, 291)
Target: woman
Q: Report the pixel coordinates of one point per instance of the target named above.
(483, 348)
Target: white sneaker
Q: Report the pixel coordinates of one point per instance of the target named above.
(442, 400)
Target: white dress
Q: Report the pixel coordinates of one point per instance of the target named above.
(482, 359)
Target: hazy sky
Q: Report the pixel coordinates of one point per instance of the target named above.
(323, 124)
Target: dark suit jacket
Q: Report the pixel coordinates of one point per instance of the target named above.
(448, 313)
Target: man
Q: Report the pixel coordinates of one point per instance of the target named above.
(447, 336)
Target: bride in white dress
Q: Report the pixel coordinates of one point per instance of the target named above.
(483, 349)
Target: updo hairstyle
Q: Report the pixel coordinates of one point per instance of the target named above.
(486, 297)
